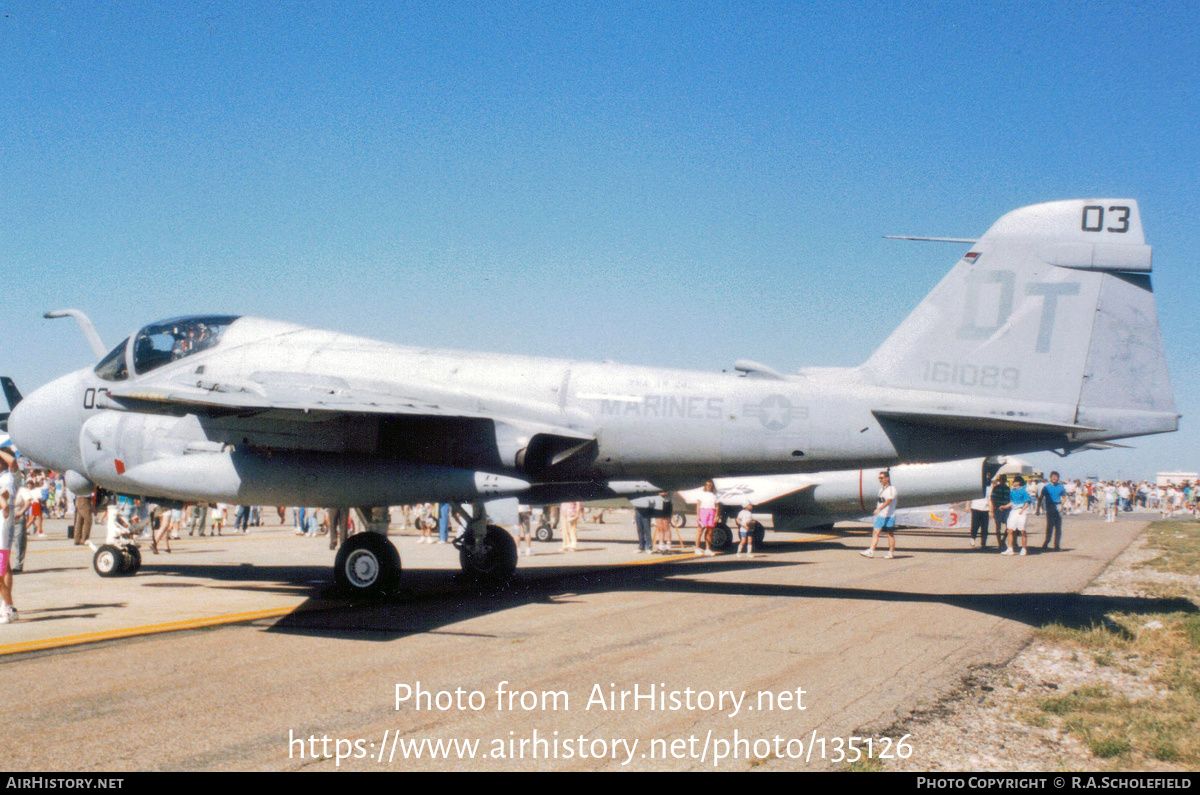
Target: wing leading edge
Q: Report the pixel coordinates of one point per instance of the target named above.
(416, 423)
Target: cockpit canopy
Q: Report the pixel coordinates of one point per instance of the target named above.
(162, 343)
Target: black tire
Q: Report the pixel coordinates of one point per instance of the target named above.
(544, 533)
(679, 520)
(758, 533)
(722, 538)
(499, 558)
(133, 560)
(367, 565)
(108, 561)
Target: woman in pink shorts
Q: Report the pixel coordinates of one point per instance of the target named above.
(706, 518)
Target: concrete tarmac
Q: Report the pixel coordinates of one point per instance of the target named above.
(232, 654)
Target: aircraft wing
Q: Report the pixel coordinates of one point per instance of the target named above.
(416, 422)
(249, 397)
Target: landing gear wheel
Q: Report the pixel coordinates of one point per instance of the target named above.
(678, 520)
(722, 538)
(367, 565)
(133, 560)
(108, 561)
(544, 533)
(758, 533)
(496, 562)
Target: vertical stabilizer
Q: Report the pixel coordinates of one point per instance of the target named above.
(1052, 305)
(11, 393)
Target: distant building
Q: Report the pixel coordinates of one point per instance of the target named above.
(1177, 478)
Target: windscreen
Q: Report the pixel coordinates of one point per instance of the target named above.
(172, 340)
(112, 367)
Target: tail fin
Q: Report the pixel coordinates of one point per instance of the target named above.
(12, 395)
(1052, 305)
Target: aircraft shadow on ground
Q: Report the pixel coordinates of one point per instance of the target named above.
(27, 572)
(436, 598)
(66, 612)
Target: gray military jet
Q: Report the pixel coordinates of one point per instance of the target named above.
(1042, 336)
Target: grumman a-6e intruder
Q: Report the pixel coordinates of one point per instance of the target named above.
(1043, 336)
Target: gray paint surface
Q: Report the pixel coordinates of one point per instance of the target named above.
(1043, 336)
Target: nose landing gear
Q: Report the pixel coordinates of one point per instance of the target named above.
(490, 557)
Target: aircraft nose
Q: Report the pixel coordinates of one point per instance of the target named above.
(45, 425)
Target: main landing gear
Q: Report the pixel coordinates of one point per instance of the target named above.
(117, 560)
(723, 537)
(369, 565)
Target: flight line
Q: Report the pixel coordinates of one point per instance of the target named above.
(310, 597)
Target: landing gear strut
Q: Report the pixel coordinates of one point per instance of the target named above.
(487, 553)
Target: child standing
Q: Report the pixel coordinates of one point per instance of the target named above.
(1019, 501)
(745, 523)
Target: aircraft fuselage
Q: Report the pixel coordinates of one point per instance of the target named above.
(671, 427)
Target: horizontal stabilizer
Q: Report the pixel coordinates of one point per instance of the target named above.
(988, 423)
(931, 239)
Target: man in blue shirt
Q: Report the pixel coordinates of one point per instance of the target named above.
(1051, 497)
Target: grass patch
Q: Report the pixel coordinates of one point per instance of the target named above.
(1165, 752)
(1191, 630)
(1090, 698)
(1107, 747)
(1116, 727)
(1097, 637)
(1163, 646)
(866, 765)
(1178, 544)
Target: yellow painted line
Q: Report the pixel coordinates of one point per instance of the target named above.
(256, 615)
(801, 540)
(148, 629)
(660, 559)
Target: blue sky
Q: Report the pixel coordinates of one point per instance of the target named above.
(674, 185)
